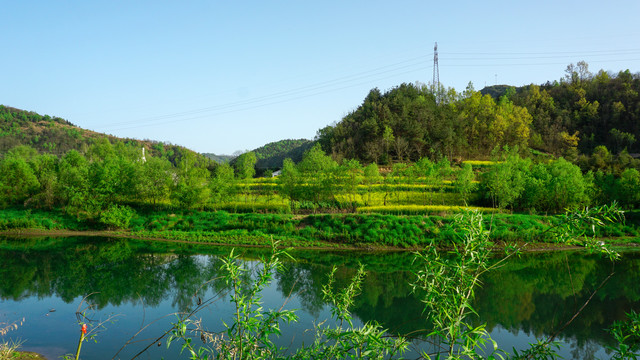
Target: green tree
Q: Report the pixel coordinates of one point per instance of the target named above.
(506, 180)
(601, 159)
(155, 179)
(350, 175)
(289, 179)
(223, 183)
(464, 183)
(245, 165)
(566, 188)
(629, 188)
(191, 187)
(317, 175)
(46, 170)
(18, 181)
(371, 177)
(74, 181)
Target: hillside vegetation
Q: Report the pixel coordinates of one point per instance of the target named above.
(579, 116)
(272, 155)
(440, 153)
(56, 136)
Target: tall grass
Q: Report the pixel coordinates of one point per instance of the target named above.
(422, 209)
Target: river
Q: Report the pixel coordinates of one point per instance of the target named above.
(137, 285)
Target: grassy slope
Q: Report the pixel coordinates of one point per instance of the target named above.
(320, 230)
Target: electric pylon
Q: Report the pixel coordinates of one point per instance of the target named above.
(436, 69)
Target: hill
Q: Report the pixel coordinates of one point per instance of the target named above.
(57, 136)
(581, 115)
(496, 91)
(271, 155)
(220, 159)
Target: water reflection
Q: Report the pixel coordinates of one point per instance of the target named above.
(533, 296)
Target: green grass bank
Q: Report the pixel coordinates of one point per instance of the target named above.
(361, 230)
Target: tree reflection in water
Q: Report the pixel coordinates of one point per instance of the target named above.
(534, 294)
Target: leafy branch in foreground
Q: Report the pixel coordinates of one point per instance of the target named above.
(370, 341)
(627, 336)
(250, 336)
(252, 333)
(447, 282)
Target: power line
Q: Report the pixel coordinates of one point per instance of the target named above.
(364, 77)
(333, 85)
(585, 53)
(264, 104)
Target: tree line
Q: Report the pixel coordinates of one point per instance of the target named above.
(572, 118)
(108, 182)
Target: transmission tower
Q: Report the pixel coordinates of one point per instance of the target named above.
(436, 69)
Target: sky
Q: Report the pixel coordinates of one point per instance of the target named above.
(227, 76)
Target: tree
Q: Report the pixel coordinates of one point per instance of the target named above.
(387, 140)
(289, 180)
(74, 181)
(464, 184)
(18, 181)
(191, 188)
(155, 179)
(371, 176)
(629, 188)
(566, 189)
(350, 176)
(223, 183)
(46, 170)
(506, 180)
(601, 159)
(622, 140)
(245, 165)
(317, 176)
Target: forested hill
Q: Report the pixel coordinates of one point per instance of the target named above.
(220, 159)
(580, 114)
(57, 136)
(496, 91)
(271, 155)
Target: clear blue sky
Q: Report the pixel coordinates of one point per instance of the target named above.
(221, 76)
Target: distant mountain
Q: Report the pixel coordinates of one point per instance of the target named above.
(220, 159)
(496, 91)
(271, 155)
(57, 136)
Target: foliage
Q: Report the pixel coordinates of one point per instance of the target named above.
(369, 341)
(449, 284)
(312, 179)
(627, 337)
(245, 165)
(117, 216)
(579, 228)
(253, 329)
(57, 136)
(464, 184)
(272, 155)
(506, 181)
(420, 209)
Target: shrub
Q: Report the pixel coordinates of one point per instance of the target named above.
(117, 216)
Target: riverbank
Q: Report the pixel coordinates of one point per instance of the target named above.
(315, 231)
(621, 242)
